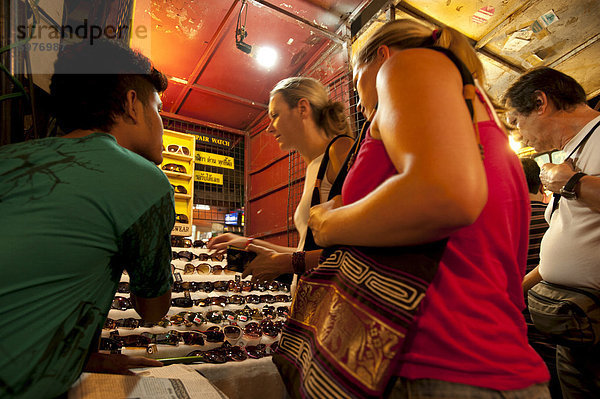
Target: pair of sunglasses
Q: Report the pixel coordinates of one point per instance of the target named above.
(178, 149)
(180, 242)
(203, 268)
(221, 355)
(121, 303)
(179, 189)
(135, 340)
(175, 167)
(129, 323)
(181, 218)
(261, 350)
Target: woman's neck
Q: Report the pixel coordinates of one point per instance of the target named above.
(314, 145)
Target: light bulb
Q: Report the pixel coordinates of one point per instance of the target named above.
(265, 56)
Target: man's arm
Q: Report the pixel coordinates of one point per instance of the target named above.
(554, 177)
(152, 309)
(531, 279)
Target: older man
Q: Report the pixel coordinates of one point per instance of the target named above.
(550, 110)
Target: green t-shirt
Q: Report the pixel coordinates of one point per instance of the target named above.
(73, 214)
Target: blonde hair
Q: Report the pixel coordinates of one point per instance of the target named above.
(407, 33)
(328, 115)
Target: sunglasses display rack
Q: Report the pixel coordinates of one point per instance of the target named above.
(179, 151)
(214, 314)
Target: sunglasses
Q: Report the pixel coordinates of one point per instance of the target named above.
(121, 303)
(256, 351)
(129, 323)
(213, 257)
(175, 167)
(191, 286)
(199, 244)
(269, 328)
(179, 189)
(164, 323)
(232, 332)
(178, 149)
(192, 337)
(171, 337)
(182, 302)
(215, 317)
(181, 218)
(180, 242)
(185, 255)
(209, 356)
(136, 340)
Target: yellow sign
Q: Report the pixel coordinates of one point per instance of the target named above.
(207, 177)
(207, 158)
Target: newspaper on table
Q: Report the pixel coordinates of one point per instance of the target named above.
(177, 381)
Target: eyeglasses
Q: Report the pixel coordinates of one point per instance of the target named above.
(182, 302)
(185, 255)
(175, 167)
(179, 189)
(180, 242)
(202, 268)
(121, 303)
(181, 218)
(199, 244)
(256, 351)
(129, 323)
(178, 149)
(232, 332)
(171, 337)
(192, 337)
(213, 257)
(191, 286)
(164, 323)
(269, 328)
(136, 340)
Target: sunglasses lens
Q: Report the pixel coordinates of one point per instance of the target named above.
(188, 268)
(172, 148)
(203, 268)
(185, 151)
(232, 332)
(181, 218)
(199, 244)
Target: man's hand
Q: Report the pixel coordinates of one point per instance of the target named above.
(554, 177)
(318, 217)
(268, 264)
(117, 364)
(222, 241)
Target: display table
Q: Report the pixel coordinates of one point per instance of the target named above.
(252, 378)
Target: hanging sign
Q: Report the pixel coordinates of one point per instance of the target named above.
(212, 140)
(207, 158)
(208, 177)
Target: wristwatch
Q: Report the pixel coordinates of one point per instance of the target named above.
(568, 190)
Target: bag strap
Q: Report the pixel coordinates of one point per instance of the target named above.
(556, 197)
(336, 187)
(309, 243)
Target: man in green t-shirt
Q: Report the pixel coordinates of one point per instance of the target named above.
(76, 211)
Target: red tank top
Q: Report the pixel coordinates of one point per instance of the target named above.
(470, 329)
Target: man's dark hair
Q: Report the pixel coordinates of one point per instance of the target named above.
(564, 91)
(90, 84)
(532, 175)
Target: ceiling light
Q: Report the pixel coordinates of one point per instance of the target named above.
(266, 56)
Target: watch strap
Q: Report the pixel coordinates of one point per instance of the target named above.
(568, 190)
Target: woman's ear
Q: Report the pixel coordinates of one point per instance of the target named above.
(383, 53)
(304, 108)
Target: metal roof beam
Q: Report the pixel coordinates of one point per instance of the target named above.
(228, 96)
(576, 50)
(203, 61)
(323, 31)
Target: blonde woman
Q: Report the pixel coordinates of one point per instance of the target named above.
(303, 119)
(428, 181)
